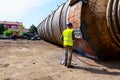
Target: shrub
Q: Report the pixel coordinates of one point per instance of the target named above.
(8, 33)
(20, 33)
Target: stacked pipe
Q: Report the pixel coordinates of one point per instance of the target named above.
(98, 21)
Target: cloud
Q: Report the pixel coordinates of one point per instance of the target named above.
(18, 8)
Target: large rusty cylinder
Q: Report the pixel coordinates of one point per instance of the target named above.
(98, 21)
(101, 27)
(51, 28)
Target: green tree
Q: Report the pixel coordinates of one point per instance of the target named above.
(2, 29)
(33, 29)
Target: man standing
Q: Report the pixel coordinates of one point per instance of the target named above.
(67, 38)
(15, 35)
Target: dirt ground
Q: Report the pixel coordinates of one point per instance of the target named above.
(40, 60)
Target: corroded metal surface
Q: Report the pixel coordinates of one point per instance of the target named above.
(44, 29)
(63, 17)
(52, 27)
(100, 27)
(113, 20)
(52, 37)
(56, 25)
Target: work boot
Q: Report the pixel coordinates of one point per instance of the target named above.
(62, 62)
(65, 63)
(69, 66)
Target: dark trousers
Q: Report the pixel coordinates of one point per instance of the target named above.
(14, 37)
(68, 55)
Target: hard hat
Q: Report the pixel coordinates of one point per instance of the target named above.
(69, 24)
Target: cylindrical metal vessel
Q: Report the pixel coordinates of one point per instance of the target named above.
(50, 30)
(101, 27)
(52, 27)
(98, 21)
(56, 25)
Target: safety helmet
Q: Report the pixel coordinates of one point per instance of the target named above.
(69, 24)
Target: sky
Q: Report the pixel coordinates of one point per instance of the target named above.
(27, 11)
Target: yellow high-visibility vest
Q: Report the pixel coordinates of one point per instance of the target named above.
(67, 37)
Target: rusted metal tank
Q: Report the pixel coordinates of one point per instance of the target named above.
(97, 20)
(101, 27)
(50, 30)
(56, 25)
(52, 27)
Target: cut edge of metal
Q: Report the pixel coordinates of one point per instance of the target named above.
(111, 21)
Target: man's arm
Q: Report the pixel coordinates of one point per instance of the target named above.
(61, 37)
(73, 35)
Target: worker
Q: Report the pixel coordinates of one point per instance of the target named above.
(15, 35)
(67, 38)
